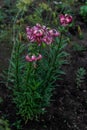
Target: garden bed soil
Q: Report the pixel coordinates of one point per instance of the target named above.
(68, 109)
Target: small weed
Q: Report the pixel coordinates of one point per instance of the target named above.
(17, 125)
(78, 48)
(1, 100)
(80, 76)
(83, 12)
(4, 124)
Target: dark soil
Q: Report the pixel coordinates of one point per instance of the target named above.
(68, 109)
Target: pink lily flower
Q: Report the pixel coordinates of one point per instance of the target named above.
(65, 19)
(33, 58)
(41, 34)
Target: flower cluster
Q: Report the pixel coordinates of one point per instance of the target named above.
(33, 58)
(41, 34)
(65, 19)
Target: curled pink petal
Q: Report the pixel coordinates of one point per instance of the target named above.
(28, 58)
(54, 33)
(68, 19)
(33, 58)
(48, 40)
(38, 25)
(39, 57)
(38, 33)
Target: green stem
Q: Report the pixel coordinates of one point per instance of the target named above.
(13, 49)
(28, 72)
(17, 63)
(51, 66)
(14, 42)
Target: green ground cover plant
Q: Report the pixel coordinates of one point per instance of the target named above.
(80, 76)
(83, 12)
(4, 125)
